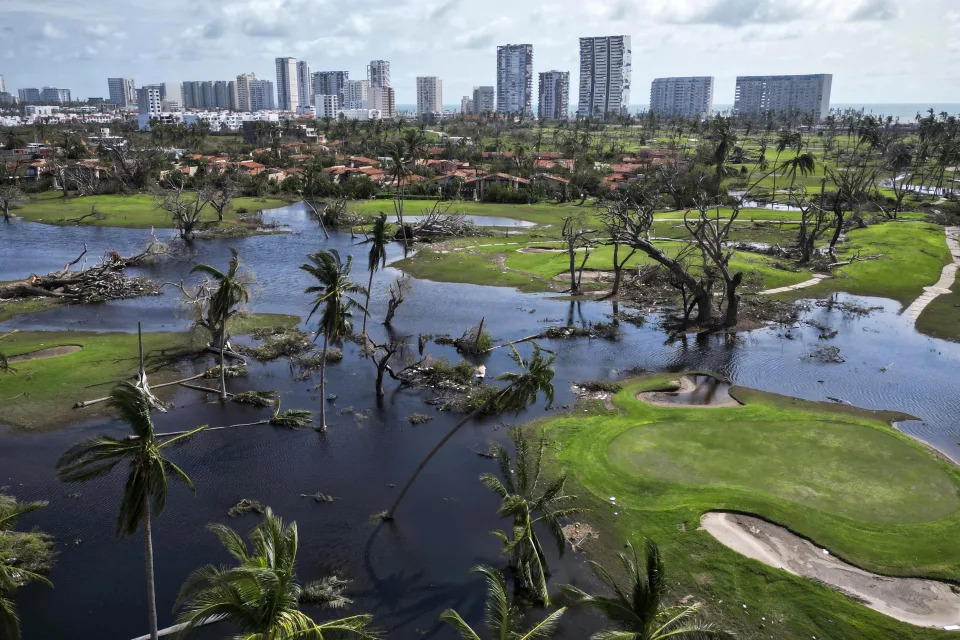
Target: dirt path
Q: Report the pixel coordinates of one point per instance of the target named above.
(947, 277)
(815, 280)
(925, 603)
(50, 352)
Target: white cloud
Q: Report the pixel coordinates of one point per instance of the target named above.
(51, 32)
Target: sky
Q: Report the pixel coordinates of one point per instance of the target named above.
(880, 51)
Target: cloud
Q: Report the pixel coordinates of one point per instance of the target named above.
(355, 25)
(441, 11)
(737, 13)
(50, 32)
(264, 29)
(875, 10)
(213, 30)
(475, 40)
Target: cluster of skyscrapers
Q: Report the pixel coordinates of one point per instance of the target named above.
(756, 96)
(329, 93)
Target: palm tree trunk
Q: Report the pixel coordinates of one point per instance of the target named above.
(423, 463)
(148, 559)
(323, 386)
(366, 306)
(223, 374)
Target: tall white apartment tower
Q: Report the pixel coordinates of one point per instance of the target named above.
(429, 95)
(288, 95)
(515, 78)
(484, 100)
(123, 91)
(378, 73)
(243, 91)
(554, 92)
(784, 95)
(688, 97)
(355, 95)
(304, 83)
(149, 100)
(3, 88)
(605, 70)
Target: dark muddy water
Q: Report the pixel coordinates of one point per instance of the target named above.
(412, 570)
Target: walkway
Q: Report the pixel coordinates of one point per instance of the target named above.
(817, 279)
(947, 277)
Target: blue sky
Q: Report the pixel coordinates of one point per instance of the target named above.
(878, 50)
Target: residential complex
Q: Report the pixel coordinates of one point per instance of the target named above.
(554, 94)
(288, 96)
(327, 105)
(261, 95)
(355, 94)
(383, 99)
(3, 88)
(29, 95)
(466, 105)
(149, 100)
(515, 78)
(690, 97)
(304, 83)
(330, 83)
(784, 95)
(484, 99)
(378, 73)
(429, 95)
(243, 90)
(605, 71)
(122, 91)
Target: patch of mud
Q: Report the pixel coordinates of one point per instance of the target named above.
(578, 533)
(540, 250)
(701, 392)
(588, 276)
(50, 352)
(925, 603)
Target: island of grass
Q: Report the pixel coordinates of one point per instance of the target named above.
(136, 211)
(40, 392)
(837, 475)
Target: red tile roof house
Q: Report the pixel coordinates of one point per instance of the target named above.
(360, 161)
(250, 167)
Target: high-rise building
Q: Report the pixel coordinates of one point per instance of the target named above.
(605, 71)
(378, 73)
(687, 97)
(29, 95)
(304, 83)
(382, 99)
(149, 100)
(429, 95)
(554, 103)
(243, 90)
(288, 96)
(122, 91)
(3, 87)
(330, 83)
(484, 99)
(355, 94)
(53, 95)
(209, 96)
(784, 95)
(466, 105)
(261, 95)
(225, 95)
(327, 105)
(515, 78)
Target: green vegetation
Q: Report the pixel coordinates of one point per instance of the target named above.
(939, 319)
(137, 211)
(11, 308)
(42, 392)
(838, 475)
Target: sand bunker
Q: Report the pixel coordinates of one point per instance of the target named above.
(540, 250)
(588, 276)
(924, 603)
(50, 352)
(705, 392)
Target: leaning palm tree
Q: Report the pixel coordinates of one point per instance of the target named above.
(636, 609)
(503, 620)
(224, 303)
(12, 575)
(145, 492)
(399, 172)
(334, 293)
(529, 500)
(376, 258)
(535, 377)
(261, 595)
(805, 164)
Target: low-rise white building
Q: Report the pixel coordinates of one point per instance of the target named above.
(360, 114)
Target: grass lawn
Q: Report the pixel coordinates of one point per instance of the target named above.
(541, 213)
(838, 475)
(10, 308)
(40, 393)
(137, 211)
(941, 318)
(911, 257)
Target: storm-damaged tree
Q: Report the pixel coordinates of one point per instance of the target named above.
(898, 161)
(334, 293)
(376, 259)
(13, 572)
(220, 192)
(145, 491)
(132, 167)
(710, 231)
(185, 206)
(615, 230)
(381, 354)
(578, 237)
(855, 185)
(10, 191)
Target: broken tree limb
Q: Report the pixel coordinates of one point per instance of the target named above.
(86, 403)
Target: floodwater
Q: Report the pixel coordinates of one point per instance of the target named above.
(408, 572)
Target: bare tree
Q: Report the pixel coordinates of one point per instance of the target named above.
(133, 167)
(184, 206)
(221, 194)
(577, 236)
(614, 224)
(10, 191)
(381, 355)
(710, 234)
(397, 289)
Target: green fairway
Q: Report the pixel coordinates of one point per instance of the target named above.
(541, 213)
(137, 211)
(941, 318)
(838, 475)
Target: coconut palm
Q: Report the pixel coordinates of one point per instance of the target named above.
(261, 595)
(805, 164)
(535, 377)
(503, 621)
(399, 172)
(376, 258)
(636, 609)
(14, 576)
(529, 500)
(334, 293)
(224, 303)
(145, 492)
